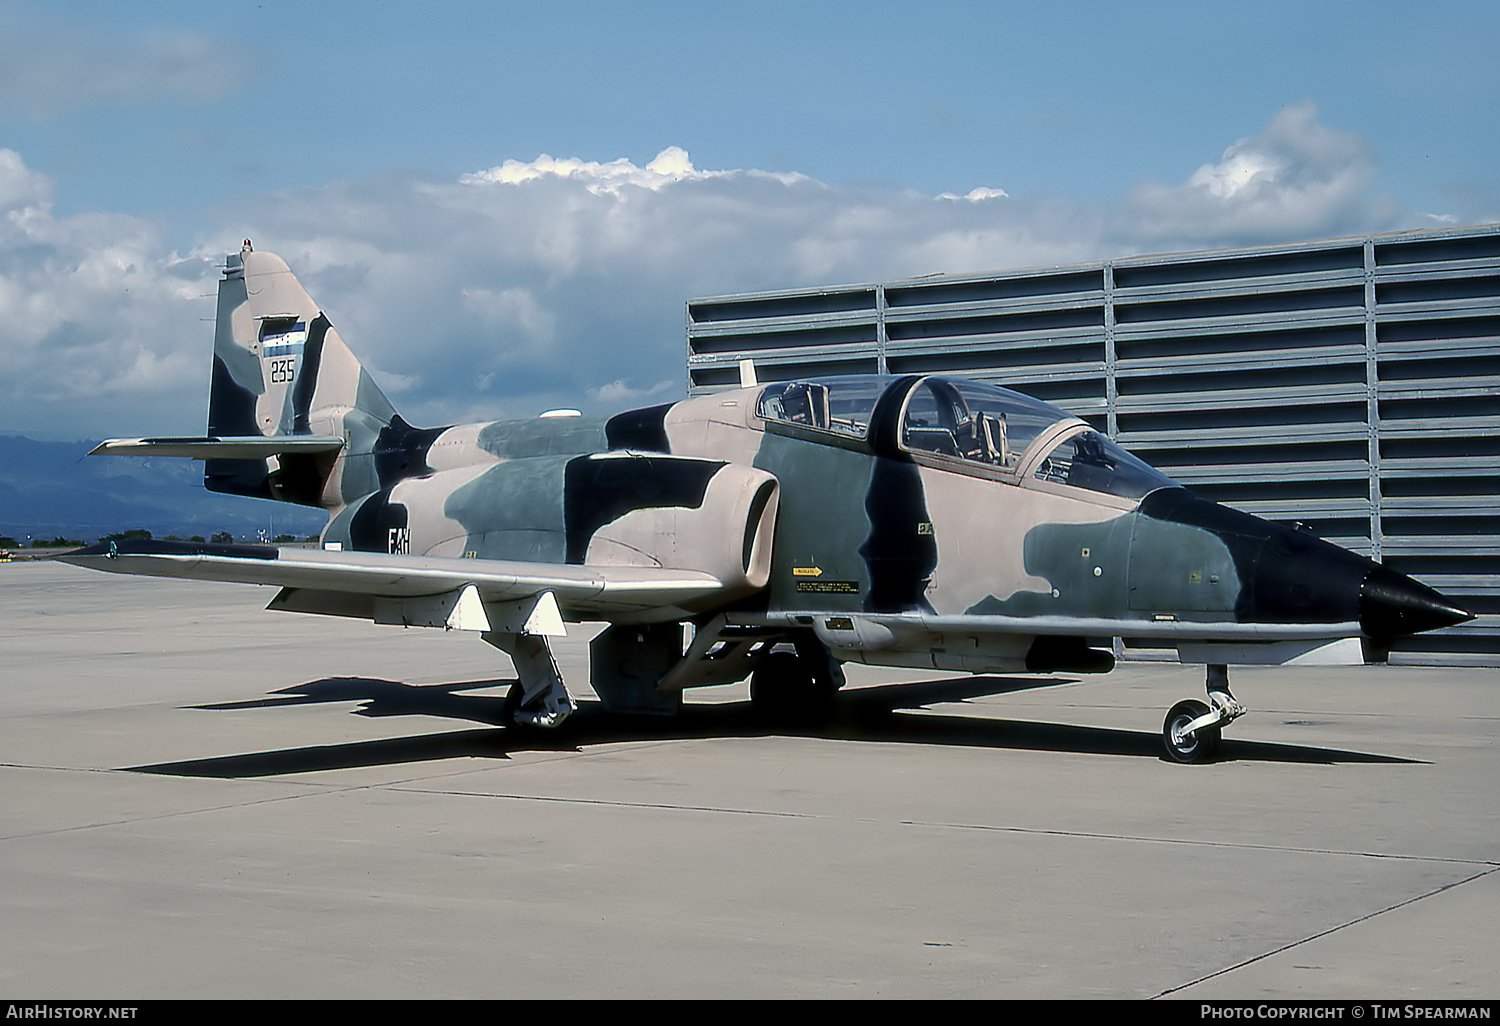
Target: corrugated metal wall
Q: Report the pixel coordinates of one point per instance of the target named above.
(1352, 384)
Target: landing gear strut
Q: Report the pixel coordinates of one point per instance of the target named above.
(539, 699)
(1192, 730)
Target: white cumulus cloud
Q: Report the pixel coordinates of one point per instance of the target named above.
(96, 317)
(671, 165)
(977, 195)
(548, 283)
(1296, 179)
(22, 190)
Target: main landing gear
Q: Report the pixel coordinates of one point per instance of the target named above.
(796, 687)
(1191, 731)
(539, 699)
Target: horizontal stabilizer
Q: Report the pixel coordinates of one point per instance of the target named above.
(226, 447)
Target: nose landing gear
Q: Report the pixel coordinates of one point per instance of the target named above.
(1192, 730)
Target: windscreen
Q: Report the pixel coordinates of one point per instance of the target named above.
(974, 421)
(1093, 462)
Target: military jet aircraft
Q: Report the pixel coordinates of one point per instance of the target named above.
(911, 521)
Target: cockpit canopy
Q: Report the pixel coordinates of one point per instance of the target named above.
(841, 405)
(967, 425)
(972, 421)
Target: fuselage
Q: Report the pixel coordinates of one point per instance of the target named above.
(858, 505)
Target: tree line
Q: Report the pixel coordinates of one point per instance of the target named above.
(136, 534)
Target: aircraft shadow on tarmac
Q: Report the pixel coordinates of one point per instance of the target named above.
(882, 714)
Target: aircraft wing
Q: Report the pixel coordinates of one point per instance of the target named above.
(403, 588)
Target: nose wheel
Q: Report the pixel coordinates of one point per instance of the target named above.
(1192, 730)
(1183, 743)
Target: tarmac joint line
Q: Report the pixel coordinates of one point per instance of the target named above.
(1324, 933)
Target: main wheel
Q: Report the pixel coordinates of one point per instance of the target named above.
(782, 690)
(1197, 746)
(513, 724)
(513, 696)
(777, 684)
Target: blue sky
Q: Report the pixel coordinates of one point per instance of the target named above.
(820, 143)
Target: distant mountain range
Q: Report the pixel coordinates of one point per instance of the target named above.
(48, 489)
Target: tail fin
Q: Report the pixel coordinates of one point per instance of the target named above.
(291, 413)
(281, 371)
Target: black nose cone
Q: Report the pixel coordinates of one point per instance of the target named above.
(1392, 605)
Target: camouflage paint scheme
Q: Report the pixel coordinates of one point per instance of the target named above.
(900, 521)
